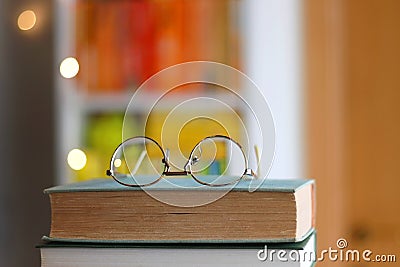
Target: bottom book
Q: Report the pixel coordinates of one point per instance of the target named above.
(56, 254)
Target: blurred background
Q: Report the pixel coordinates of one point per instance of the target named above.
(328, 68)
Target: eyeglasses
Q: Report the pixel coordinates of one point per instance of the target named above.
(214, 161)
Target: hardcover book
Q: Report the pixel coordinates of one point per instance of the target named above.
(102, 210)
(58, 254)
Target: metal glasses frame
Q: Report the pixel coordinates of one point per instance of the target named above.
(187, 168)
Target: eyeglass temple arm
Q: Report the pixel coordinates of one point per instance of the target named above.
(249, 171)
(139, 162)
(257, 152)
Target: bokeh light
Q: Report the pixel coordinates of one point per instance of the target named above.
(26, 20)
(76, 159)
(69, 67)
(117, 163)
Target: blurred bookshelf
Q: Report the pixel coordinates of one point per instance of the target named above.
(118, 44)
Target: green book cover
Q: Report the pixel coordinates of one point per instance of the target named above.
(269, 185)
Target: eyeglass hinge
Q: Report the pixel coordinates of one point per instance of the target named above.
(249, 172)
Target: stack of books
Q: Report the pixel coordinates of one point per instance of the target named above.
(101, 223)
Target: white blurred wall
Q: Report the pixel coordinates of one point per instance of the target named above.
(273, 59)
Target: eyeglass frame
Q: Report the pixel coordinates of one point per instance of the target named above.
(187, 167)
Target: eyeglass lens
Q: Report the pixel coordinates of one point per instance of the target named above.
(138, 161)
(217, 161)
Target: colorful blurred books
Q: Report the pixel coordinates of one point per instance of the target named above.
(122, 43)
(101, 217)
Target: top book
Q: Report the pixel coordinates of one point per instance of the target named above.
(103, 211)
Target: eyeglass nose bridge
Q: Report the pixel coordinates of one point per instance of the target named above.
(187, 168)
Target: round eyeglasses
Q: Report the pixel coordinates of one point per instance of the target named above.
(214, 161)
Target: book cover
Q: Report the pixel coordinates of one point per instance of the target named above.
(57, 254)
(105, 211)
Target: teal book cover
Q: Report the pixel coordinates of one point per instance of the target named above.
(178, 210)
(101, 184)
